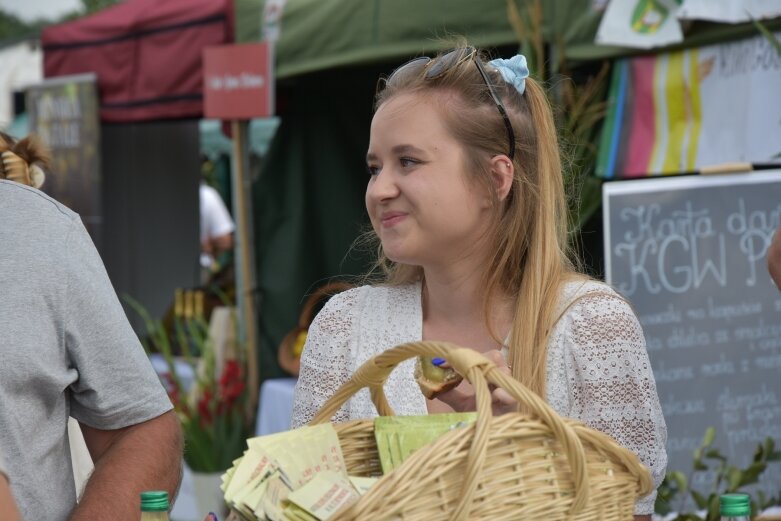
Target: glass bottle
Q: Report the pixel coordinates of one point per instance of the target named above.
(154, 505)
(735, 507)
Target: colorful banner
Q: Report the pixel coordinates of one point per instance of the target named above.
(63, 112)
(678, 112)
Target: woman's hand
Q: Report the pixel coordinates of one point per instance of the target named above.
(462, 398)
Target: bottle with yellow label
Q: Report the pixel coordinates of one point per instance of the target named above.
(154, 505)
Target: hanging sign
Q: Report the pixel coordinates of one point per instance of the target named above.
(63, 113)
(238, 81)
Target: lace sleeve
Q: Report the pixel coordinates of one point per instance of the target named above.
(611, 383)
(326, 362)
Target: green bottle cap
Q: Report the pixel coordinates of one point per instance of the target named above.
(735, 505)
(154, 501)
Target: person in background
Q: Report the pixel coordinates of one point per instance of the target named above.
(774, 258)
(216, 226)
(68, 350)
(465, 195)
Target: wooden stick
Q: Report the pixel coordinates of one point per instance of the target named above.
(245, 279)
(726, 168)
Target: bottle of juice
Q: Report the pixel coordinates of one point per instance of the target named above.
(154, 505)
(735, 507)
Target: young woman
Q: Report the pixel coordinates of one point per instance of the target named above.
(466, 197)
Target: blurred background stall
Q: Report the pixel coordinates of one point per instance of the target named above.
(641, 88)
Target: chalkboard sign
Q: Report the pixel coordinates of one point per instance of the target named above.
(689, 253)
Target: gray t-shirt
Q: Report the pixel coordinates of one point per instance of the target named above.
(66, 348)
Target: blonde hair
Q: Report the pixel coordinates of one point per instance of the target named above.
(20, 161)
(530, 257)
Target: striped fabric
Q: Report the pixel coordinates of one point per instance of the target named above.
(675, 113)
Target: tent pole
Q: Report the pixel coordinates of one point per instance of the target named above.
(244, 249)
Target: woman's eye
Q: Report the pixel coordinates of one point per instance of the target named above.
(407, 162)
(372, 170)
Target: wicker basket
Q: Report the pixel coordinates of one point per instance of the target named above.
(515, 466)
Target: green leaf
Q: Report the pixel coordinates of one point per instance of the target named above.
(91, 6)
(734, 477)
(759, 453)
(662, 506)
(680, 480)
(699, 499)
(699, 465)
(751, 474)
(710, 435)
(714, 513)
(770, 37)
(715, 454)
(763, 501)
(770, 445)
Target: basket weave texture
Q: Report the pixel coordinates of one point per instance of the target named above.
(530, 465)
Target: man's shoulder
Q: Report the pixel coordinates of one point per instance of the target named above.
(27, 202)
(209, 195)
(33, 226)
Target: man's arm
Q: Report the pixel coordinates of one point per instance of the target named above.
(222, 243)
(146, 456)
(7, 503)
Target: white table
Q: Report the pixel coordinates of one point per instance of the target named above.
(184, 371)
(275, 406)
(185, 507)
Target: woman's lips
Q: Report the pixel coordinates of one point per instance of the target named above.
(391, 219)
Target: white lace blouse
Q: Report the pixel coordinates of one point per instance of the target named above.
(598, 367)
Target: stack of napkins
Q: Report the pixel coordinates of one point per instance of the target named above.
(294, 475)
(300, 475)
(399, 436)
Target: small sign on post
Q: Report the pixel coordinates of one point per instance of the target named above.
(238, 85)
(238, 81)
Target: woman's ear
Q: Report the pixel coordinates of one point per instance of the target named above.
(502, 174)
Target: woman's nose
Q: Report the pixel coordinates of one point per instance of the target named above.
(382, 187)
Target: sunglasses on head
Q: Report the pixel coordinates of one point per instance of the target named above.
(446, 62)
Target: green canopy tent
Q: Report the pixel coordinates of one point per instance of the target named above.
(316, 36)
(308, 194)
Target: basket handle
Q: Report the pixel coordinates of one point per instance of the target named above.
(479, 371)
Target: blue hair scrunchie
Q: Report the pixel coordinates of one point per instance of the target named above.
(514, 71)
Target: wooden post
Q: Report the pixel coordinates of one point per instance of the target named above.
(244, 256)
(238, 85)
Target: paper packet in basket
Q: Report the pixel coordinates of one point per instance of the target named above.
(399, 436)
(274, 467)
(323, 496)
